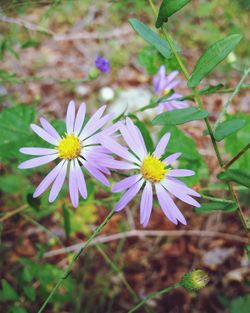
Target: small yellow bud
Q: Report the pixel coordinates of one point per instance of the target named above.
(195, 280)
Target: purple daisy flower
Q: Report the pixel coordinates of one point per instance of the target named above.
(102, 64)
(152, 171)
(77, 148)
(162, 86)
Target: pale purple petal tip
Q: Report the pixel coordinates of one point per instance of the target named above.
(128, 196)
(49, 128)
(58, 183)
(162, 145)
(70, 117)
(80, 118)
(146, 204)
(37, 161)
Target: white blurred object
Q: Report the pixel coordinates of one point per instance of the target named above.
(217, 256)
(82, 90)
(131, 100)
(231, 57)
(106, 94)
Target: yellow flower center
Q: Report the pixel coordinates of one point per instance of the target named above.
(166, 92)
(69, 147)
(153, 169)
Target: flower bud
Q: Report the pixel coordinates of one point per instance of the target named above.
(195, 280)
(93, 73)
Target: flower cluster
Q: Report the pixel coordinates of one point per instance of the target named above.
(163, 86)
(87, 146)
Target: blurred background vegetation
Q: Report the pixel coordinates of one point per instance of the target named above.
(47, 49)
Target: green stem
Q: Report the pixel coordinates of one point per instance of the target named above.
(238, 155)
(199, 102)
(70, 266)
(236, 90)
(217, 199)
(154, 295)
(119, 272)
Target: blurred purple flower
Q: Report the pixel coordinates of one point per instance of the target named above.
(151, 171)
(102, 64)
(77, 148)
(162, 86)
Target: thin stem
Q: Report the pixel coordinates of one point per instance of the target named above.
(13, 212)
(199, 102)
(236, 90)
(238, 155)
(154, 295)
(70, 266)
(118, 271)
(217, 199)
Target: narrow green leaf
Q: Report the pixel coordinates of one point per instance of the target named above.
(215, 207)
(238, 176)
(179, 116)
(247, 248)
(151, 37)
(212, 57)
(227, 128)
(168, 8)
(146, 136)
(66, 220)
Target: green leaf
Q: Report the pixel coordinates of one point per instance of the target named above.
(15, 131)
(12, 183)
(30, 43)
(237, 141)
(240, 304)
(168, 8)
(247, 248)
(151, 37)
(18, 309)
(212, 57)
(8, 292)
(215, 207)
(146, 136)
(179, 142)
(179, 116)
(227, 128)
(238, 176)
(66, 220)
(30, 293)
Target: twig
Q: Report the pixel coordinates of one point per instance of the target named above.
(117, 32)
(25, 24)
(11, 213)
(238, 155)
(148, 233)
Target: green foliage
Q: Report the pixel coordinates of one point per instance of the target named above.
(240, 177)
(212, 57)
(12, 183)
(179, 116)
(151, 37)
(167, 9)
(15, 131)
(82, 218)
(7, 292)
(228, 128)
(214, 206)
(240, 304)
(190, 158)
(238, 141)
